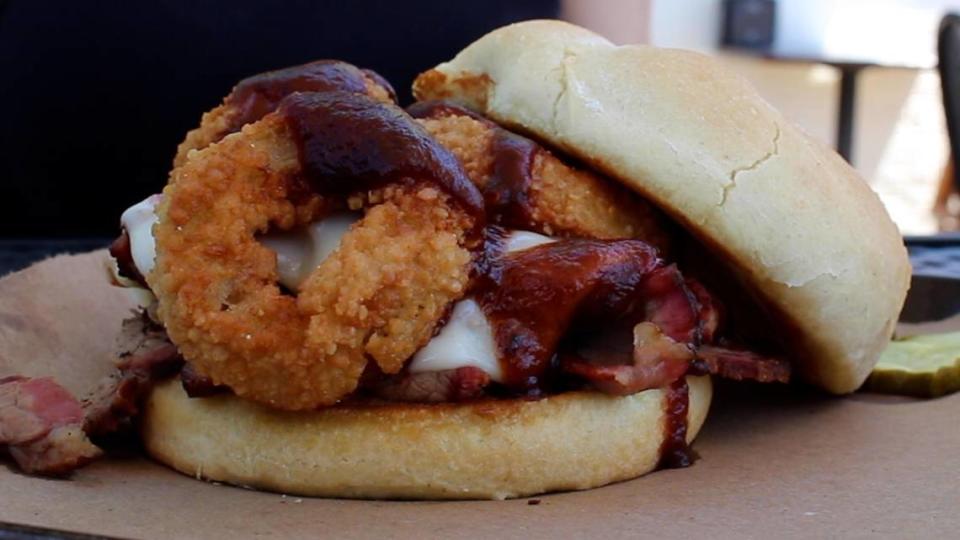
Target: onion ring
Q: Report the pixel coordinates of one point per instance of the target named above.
(378, 296)
(529, 187)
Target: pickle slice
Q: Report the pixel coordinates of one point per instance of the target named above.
(924, 366)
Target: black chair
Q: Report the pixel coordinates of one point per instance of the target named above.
(948, 50)
(936, 258)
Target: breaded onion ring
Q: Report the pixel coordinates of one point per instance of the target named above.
(379, 295)
(254, 97)
(529, 187)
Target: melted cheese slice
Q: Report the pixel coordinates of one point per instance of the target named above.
(138, 221)
(299, 253)
(467, 338)
(521, 240)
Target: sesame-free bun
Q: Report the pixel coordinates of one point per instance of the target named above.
(479, 450)
(797, 224)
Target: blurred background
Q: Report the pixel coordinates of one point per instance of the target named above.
(861, 75)
(95, 96)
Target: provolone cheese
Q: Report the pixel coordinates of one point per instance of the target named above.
(466, 340)
(138, 221)
(299, 253)
(521, 240)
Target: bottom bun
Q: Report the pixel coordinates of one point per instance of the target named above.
(482, 450)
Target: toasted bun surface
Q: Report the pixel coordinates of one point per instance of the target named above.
(493, 449)
(798, 225)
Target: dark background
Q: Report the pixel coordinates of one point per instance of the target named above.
(95, 96)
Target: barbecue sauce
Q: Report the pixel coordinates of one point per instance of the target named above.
(255, 97)
(350, 143)
(533, 297)
(675, 453)
(507, 192)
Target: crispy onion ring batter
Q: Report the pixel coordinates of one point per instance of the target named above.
(378, 296)
(529, 187)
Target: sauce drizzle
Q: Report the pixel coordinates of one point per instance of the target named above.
(533, 297)
(507, 192)
(675, 453)
(350, 143)
(256, 96)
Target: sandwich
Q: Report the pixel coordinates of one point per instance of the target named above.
(521, 283)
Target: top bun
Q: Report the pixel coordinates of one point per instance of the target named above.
(797, 224)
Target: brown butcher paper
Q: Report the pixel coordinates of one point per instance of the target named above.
(775, 461)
